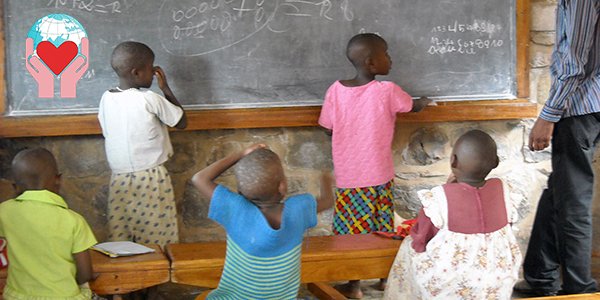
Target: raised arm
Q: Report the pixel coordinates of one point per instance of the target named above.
(420, 103)
(83, 263)
(164, 87)
(326, 197)
(204, 180)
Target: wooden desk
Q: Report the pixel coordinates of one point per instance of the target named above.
(123, 275)
(324, 258)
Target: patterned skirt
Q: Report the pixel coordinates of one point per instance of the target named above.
(363, 210)
(141, 207)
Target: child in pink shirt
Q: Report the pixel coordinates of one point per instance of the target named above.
(360, 113)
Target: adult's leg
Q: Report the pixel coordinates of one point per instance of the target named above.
(576, 138)
(541, 263)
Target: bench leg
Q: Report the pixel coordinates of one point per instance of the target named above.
(203, 295)
(324, 291)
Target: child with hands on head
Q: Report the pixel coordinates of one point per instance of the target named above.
(134, 121)
(360, 114)
(48, 244)
(462, 244)
(264, 229)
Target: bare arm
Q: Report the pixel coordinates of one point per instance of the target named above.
(164, 87)
(326, 198)
(420, 103)
(204, 180)
(83, 262)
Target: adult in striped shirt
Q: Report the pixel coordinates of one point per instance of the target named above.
(264, 230)
(561, 238)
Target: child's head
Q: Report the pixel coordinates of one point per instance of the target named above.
(35, 169)
(133, 63)
(368, 53)
(260, 177)
(474, 156)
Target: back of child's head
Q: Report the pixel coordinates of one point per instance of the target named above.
(476, 152)
(259, 175)
(361, 46)
(129, 55)
(35, 169)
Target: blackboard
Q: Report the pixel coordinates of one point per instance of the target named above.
(271, 53)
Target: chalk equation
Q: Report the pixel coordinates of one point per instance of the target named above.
(460, 46)
(193, 28)
(92, 6)
(479, 26)
(465, 38)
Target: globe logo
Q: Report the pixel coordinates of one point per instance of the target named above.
(57, 45)
(57, 29)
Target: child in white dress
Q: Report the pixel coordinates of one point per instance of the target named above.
(462, 246)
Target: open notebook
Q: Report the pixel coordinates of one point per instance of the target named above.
(125, 248)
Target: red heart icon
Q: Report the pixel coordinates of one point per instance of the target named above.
(57, 59)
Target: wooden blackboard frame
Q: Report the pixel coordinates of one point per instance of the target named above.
(287, 116)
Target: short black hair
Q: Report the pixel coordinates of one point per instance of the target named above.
(259, 174)
(480, 150)
(129, 55)
(361, 45)
(33, 168)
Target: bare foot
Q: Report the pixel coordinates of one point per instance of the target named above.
(380, 286)
(350, 290)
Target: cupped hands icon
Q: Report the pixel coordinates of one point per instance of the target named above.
(65, 62)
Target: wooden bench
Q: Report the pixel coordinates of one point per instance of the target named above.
(324, 259)
(594, 296)
(123, 275)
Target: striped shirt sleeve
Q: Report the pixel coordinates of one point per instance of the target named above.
(576, 23)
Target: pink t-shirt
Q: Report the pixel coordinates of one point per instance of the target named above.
(363, 119)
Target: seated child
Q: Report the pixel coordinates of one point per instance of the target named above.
(47, 242)
(462, 246)
(264, 230)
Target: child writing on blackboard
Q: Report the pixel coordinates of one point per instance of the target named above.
(360, 113)
(462, 245)
(134, 120)
(48, 244)
(264, 229)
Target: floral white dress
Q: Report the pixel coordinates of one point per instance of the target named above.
(456, 265)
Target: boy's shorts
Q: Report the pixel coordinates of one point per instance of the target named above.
(363, 210)
(141, 207)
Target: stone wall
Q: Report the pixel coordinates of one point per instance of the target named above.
(420, 152)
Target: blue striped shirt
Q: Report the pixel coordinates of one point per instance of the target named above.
(575, 67)
(260, 262)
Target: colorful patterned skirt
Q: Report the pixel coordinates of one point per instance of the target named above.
(363, 210)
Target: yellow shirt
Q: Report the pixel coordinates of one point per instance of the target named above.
(42, 234)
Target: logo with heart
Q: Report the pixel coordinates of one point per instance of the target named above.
(57, 49)
(57, 58)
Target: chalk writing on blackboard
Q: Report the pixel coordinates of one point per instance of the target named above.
(273, 53)
(209, 26)
(96, 6)
(465, 38)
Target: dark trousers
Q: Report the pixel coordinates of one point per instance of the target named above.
(561, 238)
